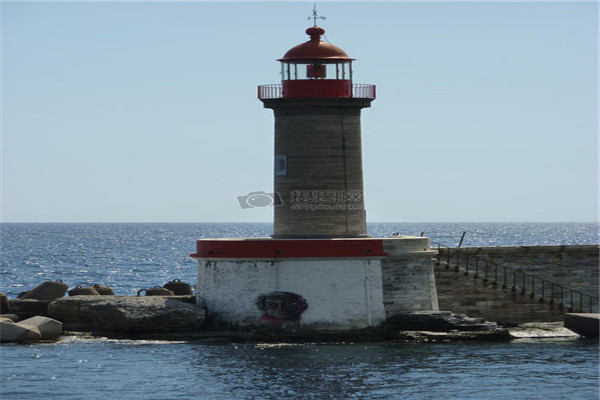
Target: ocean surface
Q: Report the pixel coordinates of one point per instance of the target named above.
(130, 257)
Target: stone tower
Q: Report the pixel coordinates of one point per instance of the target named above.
(318, 157)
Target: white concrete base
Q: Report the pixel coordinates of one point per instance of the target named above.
(340, 294)
(313, 284)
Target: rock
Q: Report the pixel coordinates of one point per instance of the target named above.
(46, 291)
(187, 299)
(179, 288)
(585, 324)
(422, 336)
(541, 330)
(4, 305)
(127, 314)
(49, 328)
(12, 332)
(11, 317)
(104, 290)
(438, 321)
(27, 308)
(156, 291)
(431, 336)
(83, 291)
(32, 329)
(441, 326)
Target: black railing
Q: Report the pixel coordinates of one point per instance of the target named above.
(446, 237)
(518, 280)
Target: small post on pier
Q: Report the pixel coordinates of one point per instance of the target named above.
(461, 239)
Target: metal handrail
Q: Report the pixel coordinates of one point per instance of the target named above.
(521, 280)
(363, 91)
(270, 91)
(460, 241)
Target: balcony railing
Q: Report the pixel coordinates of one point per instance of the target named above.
(270, 91)
(363, 91)
(274, 91)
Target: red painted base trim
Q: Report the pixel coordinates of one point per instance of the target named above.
(299, 248)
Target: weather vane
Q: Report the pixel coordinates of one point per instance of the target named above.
(315, 15)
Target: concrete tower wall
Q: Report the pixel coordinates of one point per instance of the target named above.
(318, 167)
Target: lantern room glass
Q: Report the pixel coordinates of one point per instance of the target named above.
(314, 70)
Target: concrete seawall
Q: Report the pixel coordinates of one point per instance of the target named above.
(508, 287)
(587, 325)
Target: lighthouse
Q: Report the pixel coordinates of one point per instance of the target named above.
(318, 157)
(319, 271)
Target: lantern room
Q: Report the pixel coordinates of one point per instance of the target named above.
(316, 69)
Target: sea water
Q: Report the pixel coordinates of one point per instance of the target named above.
(129, 257)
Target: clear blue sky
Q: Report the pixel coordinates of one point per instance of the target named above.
(142, 112)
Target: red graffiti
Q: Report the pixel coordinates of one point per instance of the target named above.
(281, 309)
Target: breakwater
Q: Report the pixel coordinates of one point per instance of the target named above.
(510, 285)
(516, 284)
(129, 257)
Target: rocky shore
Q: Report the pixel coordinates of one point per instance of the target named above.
(177, 317)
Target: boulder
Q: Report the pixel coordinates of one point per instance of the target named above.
(142, 314)
(104, 290)
(156, 291)
(27, 308)
(541, 330)
(12, 332)
(12, 317)
(179, 288)
(438, 321)
(83, 291)
(441, 326)
(4, 305)
(432, 336)
(49, 328)
(46, 291)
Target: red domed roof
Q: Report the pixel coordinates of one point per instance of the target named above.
(315, 49)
